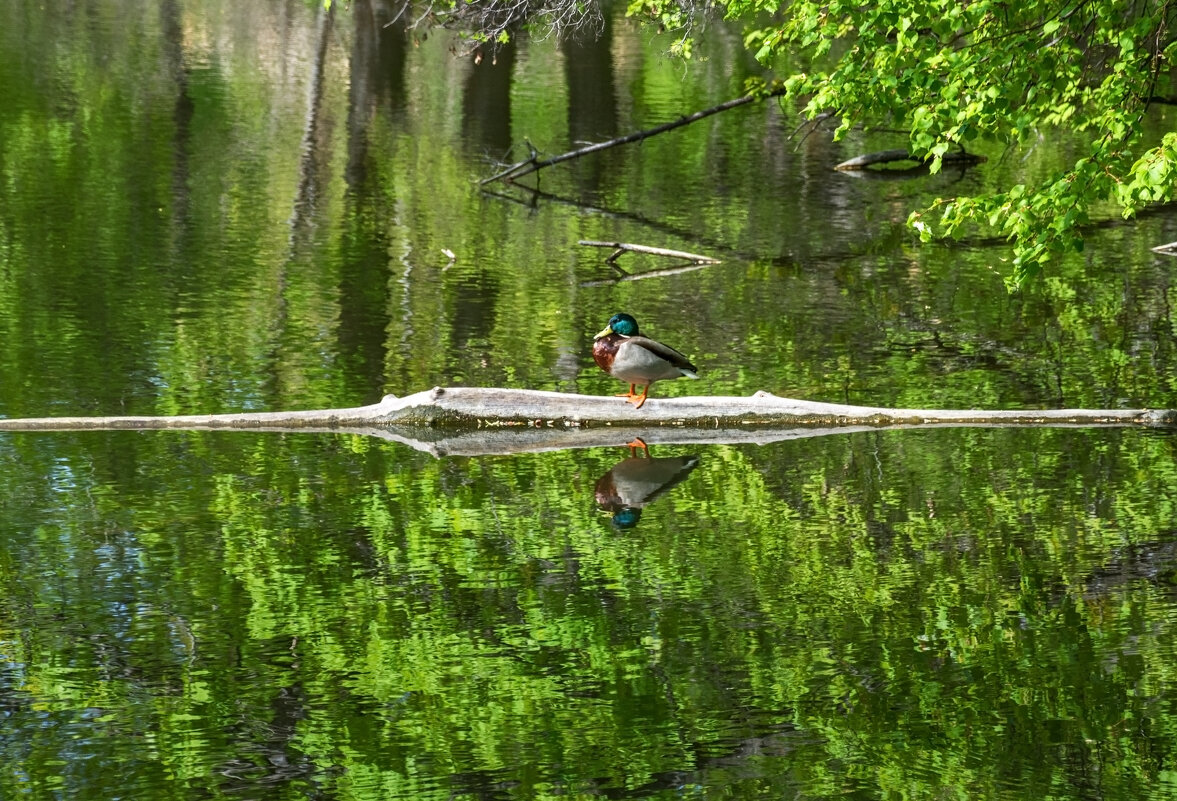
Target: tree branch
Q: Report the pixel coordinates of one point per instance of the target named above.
(532, 165)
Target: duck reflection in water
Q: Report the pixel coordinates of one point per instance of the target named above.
(638, 481)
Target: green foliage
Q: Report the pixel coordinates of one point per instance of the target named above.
(956, 74)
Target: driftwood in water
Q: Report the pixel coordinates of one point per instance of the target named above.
(892, 156)
(476, 407)
(533, 164)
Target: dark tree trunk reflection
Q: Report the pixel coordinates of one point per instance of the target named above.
(376, 89)
(592, 98)
(486, 103)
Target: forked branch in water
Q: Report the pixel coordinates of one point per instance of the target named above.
(625, 247)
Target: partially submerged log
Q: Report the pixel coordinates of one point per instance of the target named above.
(868, 160)
(490, 407)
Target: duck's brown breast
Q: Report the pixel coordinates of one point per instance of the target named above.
(605, 350)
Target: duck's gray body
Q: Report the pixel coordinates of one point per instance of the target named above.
(641, 360)
(635, 482)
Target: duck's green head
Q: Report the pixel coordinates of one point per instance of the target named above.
(627, 517)
(620, 324)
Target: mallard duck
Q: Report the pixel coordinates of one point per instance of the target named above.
(622, 353)
(637, 482)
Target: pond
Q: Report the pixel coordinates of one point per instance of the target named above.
(215, 206)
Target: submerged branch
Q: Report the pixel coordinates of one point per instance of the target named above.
(530, 165)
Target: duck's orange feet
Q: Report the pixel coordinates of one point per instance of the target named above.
(637, 443)
(628, 395)
(638, 400)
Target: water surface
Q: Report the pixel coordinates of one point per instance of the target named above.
(210, 206)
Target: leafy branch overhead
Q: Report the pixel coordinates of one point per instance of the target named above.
(951, 73)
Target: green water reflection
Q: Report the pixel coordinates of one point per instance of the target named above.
(213, 205)
(915, 613)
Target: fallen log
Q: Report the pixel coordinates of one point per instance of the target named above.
(465, 408)
(868, 160)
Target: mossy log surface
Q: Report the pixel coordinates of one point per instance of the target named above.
(475, 408)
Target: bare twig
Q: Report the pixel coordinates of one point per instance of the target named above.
(812, 124)
(487, 24)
